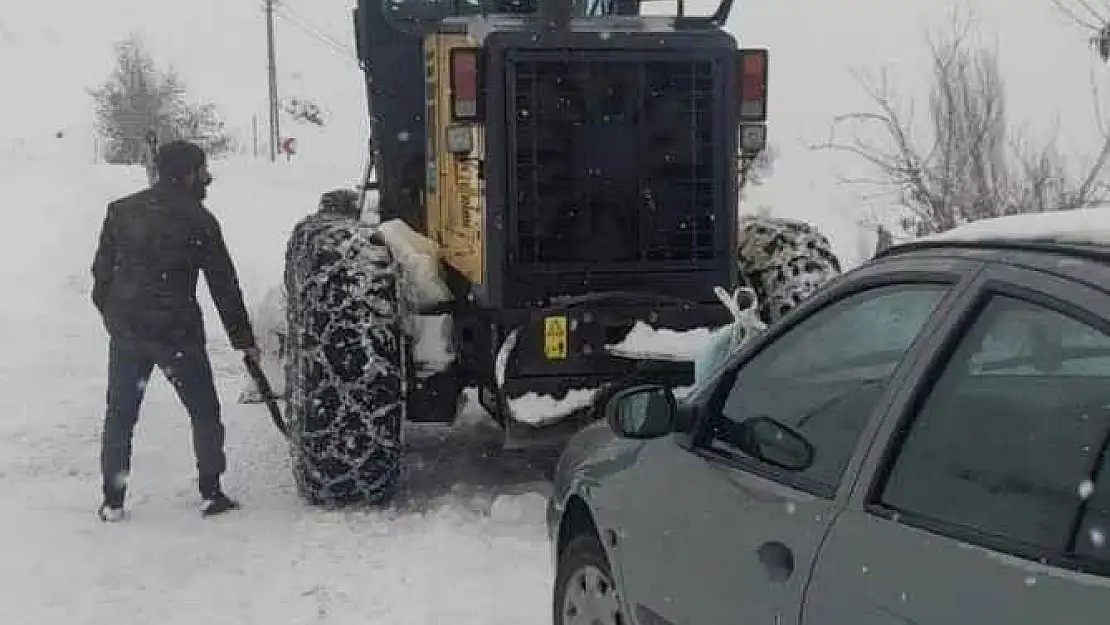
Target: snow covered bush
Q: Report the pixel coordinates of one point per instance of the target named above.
(139, 98)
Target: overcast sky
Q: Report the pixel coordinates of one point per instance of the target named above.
(51, 50)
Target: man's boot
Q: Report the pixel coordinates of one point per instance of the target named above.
(111, 514)
(215, 501)
(111, 509)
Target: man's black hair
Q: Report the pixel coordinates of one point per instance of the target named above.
(177, 159)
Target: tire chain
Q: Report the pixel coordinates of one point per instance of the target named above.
(785, 261)
(344, 361)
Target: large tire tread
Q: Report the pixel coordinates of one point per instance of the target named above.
(784, 261)
(345, 362)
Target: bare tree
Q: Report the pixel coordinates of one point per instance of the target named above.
(972, 164)
(1097, 21)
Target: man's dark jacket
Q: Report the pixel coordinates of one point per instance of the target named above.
(152, 246)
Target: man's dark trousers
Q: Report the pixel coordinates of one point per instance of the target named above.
(187, 368)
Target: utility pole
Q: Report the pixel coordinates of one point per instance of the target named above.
(275, 134)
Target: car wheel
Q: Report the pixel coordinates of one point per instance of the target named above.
(585, 593)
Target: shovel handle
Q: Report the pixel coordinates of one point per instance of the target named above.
(267, 391)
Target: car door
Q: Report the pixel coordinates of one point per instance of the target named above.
(987, 496)
(710, 534)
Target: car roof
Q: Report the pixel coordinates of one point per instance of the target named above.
(1036, 240)
(1083, 231)
(1082, 226)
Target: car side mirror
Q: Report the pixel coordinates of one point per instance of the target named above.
(772, 442)
(642, 411)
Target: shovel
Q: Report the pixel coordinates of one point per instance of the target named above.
(254, 368)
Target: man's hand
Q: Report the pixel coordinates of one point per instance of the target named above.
(253, 353)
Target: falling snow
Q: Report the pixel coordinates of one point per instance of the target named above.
(1098, 537)
(1086, 489)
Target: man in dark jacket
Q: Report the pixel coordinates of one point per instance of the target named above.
(152, 246)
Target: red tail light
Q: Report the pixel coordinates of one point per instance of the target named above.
(464, 83)
(753, 85)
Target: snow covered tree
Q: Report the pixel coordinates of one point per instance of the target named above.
(138, 98)
(973, 164)
(202, 125)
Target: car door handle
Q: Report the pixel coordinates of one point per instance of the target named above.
(777, 560)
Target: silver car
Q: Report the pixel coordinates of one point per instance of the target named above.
(924, 441)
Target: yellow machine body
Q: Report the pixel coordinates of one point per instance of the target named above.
(454, 195)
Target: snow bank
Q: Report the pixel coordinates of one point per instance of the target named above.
(538, 410)
(423, 286)
(644, 342)
(419, 258)
(433, 335)
(501, 361)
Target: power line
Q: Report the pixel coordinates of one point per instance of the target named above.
(316, 31)
(307, 28)
(346, 53)
(284, 5)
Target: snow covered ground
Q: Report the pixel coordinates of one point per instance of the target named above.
(465, 543)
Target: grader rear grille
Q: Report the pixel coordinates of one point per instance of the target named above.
(613, 161)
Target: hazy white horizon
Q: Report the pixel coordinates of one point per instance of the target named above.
(51, 52)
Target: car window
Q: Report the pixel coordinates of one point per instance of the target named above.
(825, 375)
(1007, 444)
(1022, 335)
